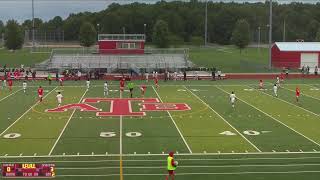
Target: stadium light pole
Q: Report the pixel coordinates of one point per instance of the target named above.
(33, 38)
(144, 31)
(206, 25)
(259, 38)
(270, 32)
(98, 25)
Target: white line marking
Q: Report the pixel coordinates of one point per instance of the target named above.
(10, 95)
(289, 103)
(65, 126)
(185, 142)
(184, 174)
(272, 118)
(302, 93)
(224, 120)
(182, 154)
(25, 113)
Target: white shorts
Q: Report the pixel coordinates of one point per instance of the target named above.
(40, 96)
(233, 100)
(59, 101)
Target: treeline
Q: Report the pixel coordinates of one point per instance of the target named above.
(186, 20)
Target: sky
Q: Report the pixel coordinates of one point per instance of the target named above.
(47, 9)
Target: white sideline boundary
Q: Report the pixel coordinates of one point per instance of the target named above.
(185, 174)
(65, 126)
(287, 102)
(10, 94)
(26, 112)
(142, 155)
(223, 119)
(182, 137)
(311, 140)
(302, 93)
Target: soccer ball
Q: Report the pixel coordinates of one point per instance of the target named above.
(176, 163)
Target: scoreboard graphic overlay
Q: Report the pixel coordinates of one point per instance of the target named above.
(27, 170)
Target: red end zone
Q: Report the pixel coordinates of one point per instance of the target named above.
(122, 106)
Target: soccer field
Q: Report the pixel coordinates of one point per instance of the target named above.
(115, 137)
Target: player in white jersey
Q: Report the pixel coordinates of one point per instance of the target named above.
(105, 89)
(275, 90)
(175, 75)
(233, 99)
(59, 98)
(88, 84)
(24, 86)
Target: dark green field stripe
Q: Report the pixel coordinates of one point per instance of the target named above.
(158, 131)
(298, 119)
(39, 129)
(83, 133)
(272, 135)
(201, 126)
(307, 90)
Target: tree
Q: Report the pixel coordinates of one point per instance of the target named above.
(160, 35)
(318, 36)
(87, 34)
(1, 28)
(13, 35)
(241, 34)
(312, 29)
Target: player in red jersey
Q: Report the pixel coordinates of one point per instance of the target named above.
(40, 93)
(61, 81)
(122, 82)
(156, 82)
(10, 83)
(143, 89)
(261, 84)
(297, 94)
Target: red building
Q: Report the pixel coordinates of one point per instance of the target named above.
(121, 43)
(296, 54)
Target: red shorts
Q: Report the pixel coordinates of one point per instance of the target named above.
(171, 172)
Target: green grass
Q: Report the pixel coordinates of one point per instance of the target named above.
(229, 59)
(15, 59)
(272, 138)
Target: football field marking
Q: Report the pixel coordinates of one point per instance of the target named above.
(278, 98)
(182, 137)
(273, 118)
(120, 142)
(65, 126)
(10, 94)
(223, 119)
(301, 93)
(26, 112)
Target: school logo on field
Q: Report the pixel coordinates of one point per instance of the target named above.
(122, 107)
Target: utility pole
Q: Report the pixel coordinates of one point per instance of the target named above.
(259, 38)
(33, 28)
(284, 30)
(206, 25)
(270, 33)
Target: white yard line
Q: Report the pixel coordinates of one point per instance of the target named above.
(56, 142)
(274, 118)
(10, 95)
(223, 119)
(146, 155)
(287, 102)
(185, 174)
(301, 93)
(182, 137)
(26, 112)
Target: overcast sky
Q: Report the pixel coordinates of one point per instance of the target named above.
(47, 9)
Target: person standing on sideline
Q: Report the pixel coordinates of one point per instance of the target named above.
(10, 83)
(171, 166)
(297, 94)
(49, 78)
(130, 87)
(147, 77)
(59, 98)
(316, 70)
(184, 75)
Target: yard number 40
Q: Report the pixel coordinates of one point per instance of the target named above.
(247, 132)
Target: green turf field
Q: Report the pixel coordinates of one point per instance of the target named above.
(15, 59)
(263, 137)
